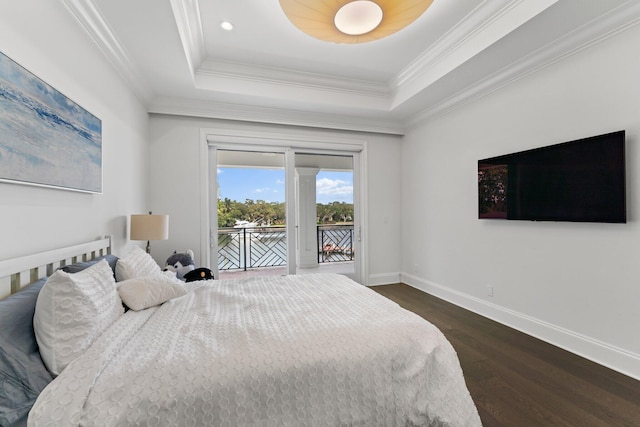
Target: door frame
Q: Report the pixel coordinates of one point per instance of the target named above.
(288, 143)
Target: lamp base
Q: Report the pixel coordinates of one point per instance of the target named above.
(148, 247)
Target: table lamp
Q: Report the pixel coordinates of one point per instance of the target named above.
(149, 227)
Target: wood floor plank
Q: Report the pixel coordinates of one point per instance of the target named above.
(518, 380)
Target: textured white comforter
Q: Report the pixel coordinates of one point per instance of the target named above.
(310, 350)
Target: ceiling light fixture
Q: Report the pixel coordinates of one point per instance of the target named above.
(358, 17)
(353, 21)
(226, 25)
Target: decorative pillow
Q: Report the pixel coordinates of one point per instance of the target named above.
(136, 263)
(144, 292)
(72, 311)
(79, 266)
(22, 373)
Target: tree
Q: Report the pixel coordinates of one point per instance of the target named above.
(334, 212)
(274, 213)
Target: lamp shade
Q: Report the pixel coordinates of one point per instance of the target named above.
(149, 227)
(318, 18)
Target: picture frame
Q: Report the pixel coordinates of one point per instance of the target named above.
(46, 139)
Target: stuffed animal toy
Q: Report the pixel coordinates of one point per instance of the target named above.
(180, 263)
(201, 273)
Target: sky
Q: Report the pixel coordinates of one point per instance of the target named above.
(240, 184)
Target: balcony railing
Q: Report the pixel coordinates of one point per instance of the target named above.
(256, 247)
(243, 248)
(335, 243)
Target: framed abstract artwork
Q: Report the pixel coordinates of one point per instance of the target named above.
(46, 139)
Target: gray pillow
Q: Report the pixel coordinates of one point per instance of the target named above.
(79, 266)
(23, 374)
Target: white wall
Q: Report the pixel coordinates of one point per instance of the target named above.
(46, 40)
(175, 187)
(574, 284)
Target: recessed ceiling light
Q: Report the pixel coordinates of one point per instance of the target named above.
(226, 25)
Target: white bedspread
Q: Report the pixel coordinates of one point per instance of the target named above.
(309, 350)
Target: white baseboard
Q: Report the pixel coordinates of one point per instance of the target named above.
(618, 359)
(383, 279)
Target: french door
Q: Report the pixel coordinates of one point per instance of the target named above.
(251, 209)
(299, 245)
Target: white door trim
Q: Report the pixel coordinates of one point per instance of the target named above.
(308, 141)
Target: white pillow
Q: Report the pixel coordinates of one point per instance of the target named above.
(144, 292)
(137, 263)
(72, 311)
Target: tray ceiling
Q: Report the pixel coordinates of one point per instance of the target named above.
(178, 60)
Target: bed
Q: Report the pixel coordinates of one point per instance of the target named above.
(316, 350)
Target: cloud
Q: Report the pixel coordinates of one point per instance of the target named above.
(265, 194)
(333, 187)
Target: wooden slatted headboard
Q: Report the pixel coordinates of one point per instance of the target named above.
(16, 273)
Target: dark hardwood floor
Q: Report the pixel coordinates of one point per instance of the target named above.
(517, 380)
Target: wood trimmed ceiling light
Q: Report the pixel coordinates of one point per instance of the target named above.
(349, 21)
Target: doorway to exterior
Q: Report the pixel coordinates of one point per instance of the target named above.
(318, 232)
(251, 213)
(325, 213)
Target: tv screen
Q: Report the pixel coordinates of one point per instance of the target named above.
(582, 180)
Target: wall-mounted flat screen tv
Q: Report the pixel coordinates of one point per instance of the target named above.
(582, 181)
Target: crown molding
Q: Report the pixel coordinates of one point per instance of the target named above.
(286, 77)
(616, 21)
(89, 17)
(280, 116)
(291, 85)
(187, 16)
(488, 22)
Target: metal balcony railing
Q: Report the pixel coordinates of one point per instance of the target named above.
(243, 248)
(335, 243)
(256, 247)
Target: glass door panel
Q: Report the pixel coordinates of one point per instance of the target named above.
(325, 213)
(251, 213)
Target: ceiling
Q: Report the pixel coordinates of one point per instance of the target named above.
(178, 60)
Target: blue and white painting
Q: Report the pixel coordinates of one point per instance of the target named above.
(46, 139)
